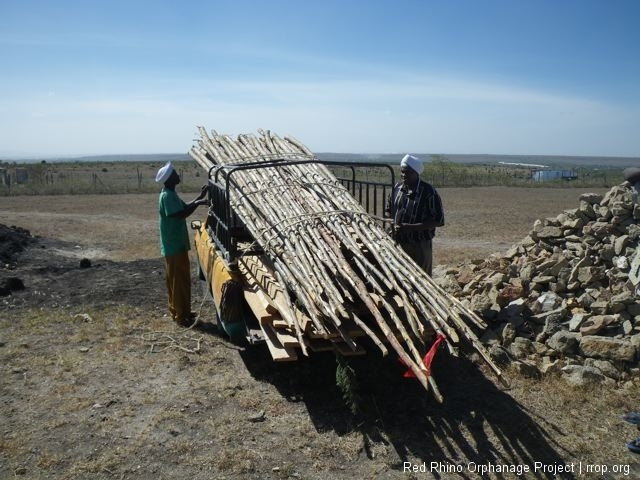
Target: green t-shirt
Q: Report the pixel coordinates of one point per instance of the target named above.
(174, 236)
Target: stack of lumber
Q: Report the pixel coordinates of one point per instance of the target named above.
(336, 270)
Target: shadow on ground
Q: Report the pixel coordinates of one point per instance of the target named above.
(478, 422)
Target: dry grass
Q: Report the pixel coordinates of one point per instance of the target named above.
(189, 412)
(120, 411)
(484, 220)
(479, 220)
(118, 227)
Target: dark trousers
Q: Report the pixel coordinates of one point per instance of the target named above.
(420, 252)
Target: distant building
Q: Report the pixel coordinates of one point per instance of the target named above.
(546, 175)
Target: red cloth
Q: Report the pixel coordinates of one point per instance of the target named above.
(428, 358)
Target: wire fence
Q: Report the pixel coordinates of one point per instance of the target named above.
(77, 178)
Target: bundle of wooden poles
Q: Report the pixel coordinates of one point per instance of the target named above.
(329, 254)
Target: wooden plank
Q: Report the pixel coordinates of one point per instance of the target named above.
(257, 271)
(278, 352)
(308, 330)
(257, 305)
(285, 338)
(277, 321)
(249, 270)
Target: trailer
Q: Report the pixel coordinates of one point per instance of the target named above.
(240, 278)
(302, 260)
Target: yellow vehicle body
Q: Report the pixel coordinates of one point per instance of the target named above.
(224, 285)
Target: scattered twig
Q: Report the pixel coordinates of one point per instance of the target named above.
(162, 341)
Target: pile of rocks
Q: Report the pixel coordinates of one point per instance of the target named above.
(564, 299)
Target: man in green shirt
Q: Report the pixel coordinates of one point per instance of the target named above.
(174, 243)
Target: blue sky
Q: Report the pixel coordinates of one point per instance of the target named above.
(556, 77)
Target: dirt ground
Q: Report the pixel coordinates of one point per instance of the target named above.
(97, 383)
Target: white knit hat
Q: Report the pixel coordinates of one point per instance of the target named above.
(164, 173)
(414, 163)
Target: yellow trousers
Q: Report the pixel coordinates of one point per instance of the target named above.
(178, 277)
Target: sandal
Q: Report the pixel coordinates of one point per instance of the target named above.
(632, 417)
(634, 445)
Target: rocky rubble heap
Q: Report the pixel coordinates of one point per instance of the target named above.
(565, 299)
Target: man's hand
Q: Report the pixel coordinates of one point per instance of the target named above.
(399, 228)
(393, 228)
(203, 192)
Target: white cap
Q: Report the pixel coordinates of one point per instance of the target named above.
(164, 173)
(414, 163)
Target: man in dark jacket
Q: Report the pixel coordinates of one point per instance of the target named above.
(416, 209)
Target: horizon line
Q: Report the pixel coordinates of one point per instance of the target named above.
(35, 157)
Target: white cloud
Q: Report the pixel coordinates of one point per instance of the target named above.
(420, 114)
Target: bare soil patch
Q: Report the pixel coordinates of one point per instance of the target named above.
(96, 382)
